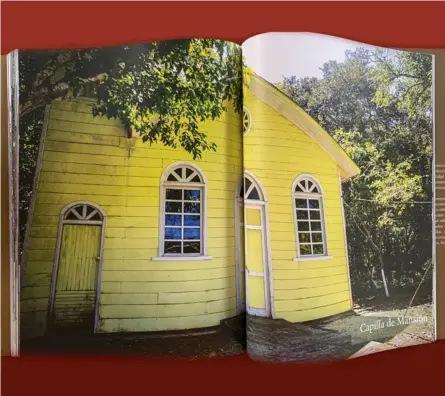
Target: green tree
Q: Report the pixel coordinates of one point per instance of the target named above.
(377, 105)
(404, 78)
(161, 90)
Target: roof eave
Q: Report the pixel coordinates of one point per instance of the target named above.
(281, 103)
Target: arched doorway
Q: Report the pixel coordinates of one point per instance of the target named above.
(75, 286)
(252, 248)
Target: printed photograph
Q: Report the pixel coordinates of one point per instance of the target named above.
(130, 164)
(196, 198)
(338, 198)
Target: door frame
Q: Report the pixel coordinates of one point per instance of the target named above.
(62, 223)
(267, 254)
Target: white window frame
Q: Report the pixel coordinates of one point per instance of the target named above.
(184, 185)
(249, 115)
(310, 195)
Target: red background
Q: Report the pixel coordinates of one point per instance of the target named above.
(82, 24)
(79, 24)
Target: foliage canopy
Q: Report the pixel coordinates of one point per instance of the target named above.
(377, 105)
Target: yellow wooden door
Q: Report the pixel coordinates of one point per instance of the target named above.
(255, 256)
(76, 284)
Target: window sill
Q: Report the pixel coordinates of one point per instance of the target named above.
(313, 258)
(181, 258)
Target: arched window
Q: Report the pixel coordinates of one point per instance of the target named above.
(82, 213)
(307, 199)
(249, 190)
(183, 214)
(247, 121)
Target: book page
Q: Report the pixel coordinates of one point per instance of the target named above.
(129, 162)
(339, 176)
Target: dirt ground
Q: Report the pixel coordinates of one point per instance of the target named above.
(268, 339)
(414, 333)
(395, 327)
(223, 340)
(383, 325)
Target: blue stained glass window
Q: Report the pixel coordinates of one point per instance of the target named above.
(192, 195)
(183, 211)
(173, 220)
(192, 220)
(172, 233)
(192, 233)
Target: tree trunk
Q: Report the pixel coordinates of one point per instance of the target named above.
(382, 271)
(362, 228)
(385, 285)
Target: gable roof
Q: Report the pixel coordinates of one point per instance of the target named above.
(281, 103)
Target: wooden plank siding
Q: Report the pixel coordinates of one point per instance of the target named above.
(276, 152)
(89, 159)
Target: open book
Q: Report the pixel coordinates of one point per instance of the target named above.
(200, 198)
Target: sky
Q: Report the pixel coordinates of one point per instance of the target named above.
(274, 55)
